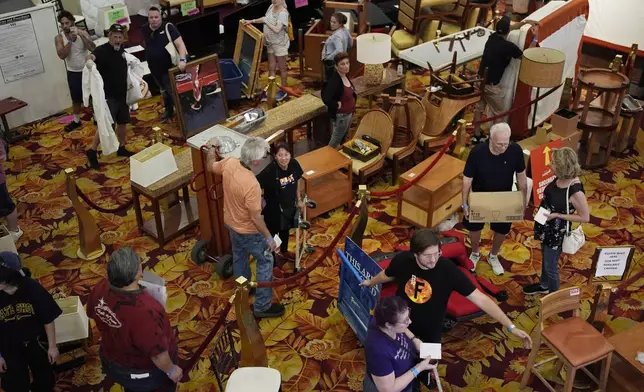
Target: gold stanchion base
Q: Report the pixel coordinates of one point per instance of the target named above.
(92, 256)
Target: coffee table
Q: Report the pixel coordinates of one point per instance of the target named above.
(626, 373)
(7, 106)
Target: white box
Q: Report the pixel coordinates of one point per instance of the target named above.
(152, 164)
(73, 323)
(6, 241)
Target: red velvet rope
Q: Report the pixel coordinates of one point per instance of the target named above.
(327, 253)
(202, 347)
(504, 114)
(120, 208)
(420, 176)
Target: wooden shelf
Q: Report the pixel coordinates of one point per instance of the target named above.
(329, 192)
(175, 220)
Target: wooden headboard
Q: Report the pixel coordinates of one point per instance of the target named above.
(547, 26)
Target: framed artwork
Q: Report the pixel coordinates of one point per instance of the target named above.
(248, 56)
(199, 96)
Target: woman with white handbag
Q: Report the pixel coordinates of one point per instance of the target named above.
(565, 203)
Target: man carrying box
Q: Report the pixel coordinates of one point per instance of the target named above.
(490, 167)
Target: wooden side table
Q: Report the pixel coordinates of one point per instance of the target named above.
(178, 218)
(7, 106)
(626, 374)
(436, 196)
(324, 179)
(629, 126)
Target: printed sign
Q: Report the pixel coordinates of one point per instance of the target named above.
(19, 51)
(542, 175)
(117, 16)
(189, 8)
(356, 303)
(612, 261)
(301, 3)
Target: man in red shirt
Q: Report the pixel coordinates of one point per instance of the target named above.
(138, 345)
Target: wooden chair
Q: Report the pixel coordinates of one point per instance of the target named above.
(224, 358)
(414, 125)
(466, 16)
(378, 125)
(575, 342)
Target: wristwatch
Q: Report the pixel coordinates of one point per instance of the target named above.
(182, 59)
(511, 327)
(464, 205)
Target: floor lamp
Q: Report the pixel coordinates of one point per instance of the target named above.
(541, 68)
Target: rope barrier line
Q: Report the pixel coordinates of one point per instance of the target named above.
(413, 182)
(327, 253)
(505, 114)
(120, 208)
(202, 347)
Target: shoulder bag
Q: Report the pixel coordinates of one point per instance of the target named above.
(170, 47)
(573, 239)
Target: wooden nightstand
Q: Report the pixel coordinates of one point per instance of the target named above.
(436, 196)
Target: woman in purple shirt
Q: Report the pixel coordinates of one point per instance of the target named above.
(391, 350)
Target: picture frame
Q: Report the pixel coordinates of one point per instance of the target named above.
(249, 66)
(199, 95)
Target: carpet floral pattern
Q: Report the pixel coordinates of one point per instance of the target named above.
(311, 345)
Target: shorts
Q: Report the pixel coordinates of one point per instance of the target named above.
(278, 50)
(7, 205)
(493, 98)
(75, 83)
(119, 110)
(502, 228)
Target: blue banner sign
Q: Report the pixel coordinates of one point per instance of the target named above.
(356, 303)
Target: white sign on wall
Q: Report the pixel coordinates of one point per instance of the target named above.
(19, 52)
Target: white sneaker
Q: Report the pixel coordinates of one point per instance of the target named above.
(474, 258)
(497, 268)
(15, 235)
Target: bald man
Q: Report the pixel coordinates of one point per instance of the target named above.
(490, 167)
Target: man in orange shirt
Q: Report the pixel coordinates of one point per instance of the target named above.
(243, 217)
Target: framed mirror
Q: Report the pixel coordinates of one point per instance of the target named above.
(248, 56)
(199, 96)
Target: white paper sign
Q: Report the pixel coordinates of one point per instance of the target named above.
(612, 261)
(155, 286)
(19, 52)
(541, 216)
(432, 350)
(278, 240)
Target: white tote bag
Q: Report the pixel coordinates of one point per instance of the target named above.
(575, 239)
(172, 50)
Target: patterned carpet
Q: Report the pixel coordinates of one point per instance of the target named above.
(311, 345)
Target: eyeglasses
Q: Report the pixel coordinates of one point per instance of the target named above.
(405, 321)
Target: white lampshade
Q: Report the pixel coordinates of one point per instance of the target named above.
(374, 48)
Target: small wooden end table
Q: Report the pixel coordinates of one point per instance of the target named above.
(324, 182)
(7, 106)
(436, 196)
(178, 218)
(626, 374)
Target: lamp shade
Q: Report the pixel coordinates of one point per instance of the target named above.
(542, 67)
(374, 48)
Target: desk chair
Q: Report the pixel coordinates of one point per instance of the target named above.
(378, 125)
(414, 124)
(574, 341)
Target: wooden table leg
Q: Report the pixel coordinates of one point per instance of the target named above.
(289, 138)
(137, 209)
(157, 219)
(370, 101)
(186, 195)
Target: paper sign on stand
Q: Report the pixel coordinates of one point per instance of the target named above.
(189, 8)
(152, 164)
(542, 175)
(612, 261)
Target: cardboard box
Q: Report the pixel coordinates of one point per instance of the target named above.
(496, 207)
(571, 140)
(73, 324)
(6, 241)
(152, 164)
(564, 122)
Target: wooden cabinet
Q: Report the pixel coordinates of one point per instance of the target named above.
(436, 196)
(327, 179)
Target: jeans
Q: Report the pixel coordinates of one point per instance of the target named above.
(151, 380)
(341, 126)
(550, 268)
(163, 81)
(255, 245)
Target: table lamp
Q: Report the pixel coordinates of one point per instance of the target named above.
(541, 68)
(374, 50)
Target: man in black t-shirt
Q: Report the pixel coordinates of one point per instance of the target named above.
(426, 281)
(496, 56)
(111, 64)
(159, 61)
(491, 167)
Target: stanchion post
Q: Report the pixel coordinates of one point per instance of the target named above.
(88, 234)
(253, 350)
(461, 142)
(271, 92)
(360, 225)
